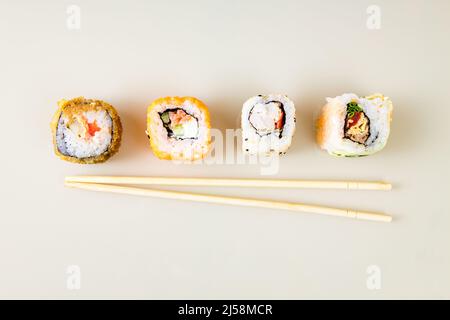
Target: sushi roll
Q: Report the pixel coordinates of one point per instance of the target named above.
(179, 128)
(86, 131)
(268, 124)
(353, 126)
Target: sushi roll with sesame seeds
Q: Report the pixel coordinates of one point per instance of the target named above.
(179, 128)
(353, 126)
(86, 131)
(268, 124)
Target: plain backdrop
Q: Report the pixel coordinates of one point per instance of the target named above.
(224, 51)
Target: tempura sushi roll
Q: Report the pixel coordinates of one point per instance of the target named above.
(353, 126)
(179, 128)
(268, 124)
(86, 131)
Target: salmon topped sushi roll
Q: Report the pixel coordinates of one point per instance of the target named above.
(353, 126)
(179, 128)
(86, 131)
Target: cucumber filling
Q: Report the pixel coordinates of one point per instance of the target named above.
(179, 124)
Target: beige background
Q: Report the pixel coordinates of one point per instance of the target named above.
(131, 52)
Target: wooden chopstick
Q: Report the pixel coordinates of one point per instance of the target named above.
(298, 207)
(259, 183)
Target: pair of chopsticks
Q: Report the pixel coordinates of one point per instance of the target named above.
(115, 184)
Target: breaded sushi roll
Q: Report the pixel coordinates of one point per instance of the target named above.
(179, 128)
(86, 131)
(268, 124)
(353, 126)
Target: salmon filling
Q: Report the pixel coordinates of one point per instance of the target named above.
(179, 124)
(82, 128)
(267, 118)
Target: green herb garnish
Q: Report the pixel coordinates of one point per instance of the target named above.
(352, 108)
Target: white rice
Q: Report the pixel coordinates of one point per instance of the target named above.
(70, 143)
(253, 142)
